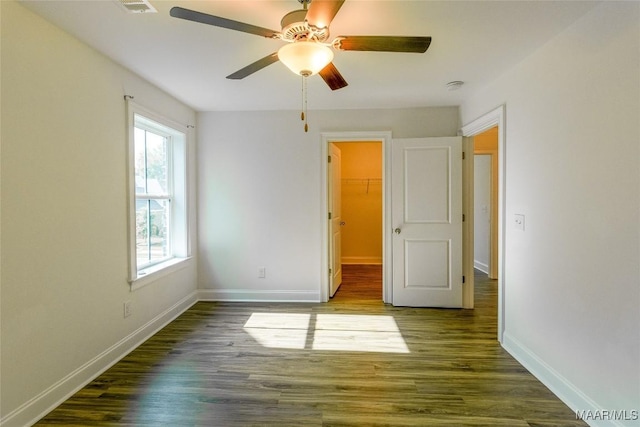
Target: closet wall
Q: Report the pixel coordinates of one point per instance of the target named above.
(361, 202)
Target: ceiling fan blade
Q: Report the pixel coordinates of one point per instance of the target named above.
(322, 12)
(256, 66)
(384, 43)
(332, 77)
(204, 18)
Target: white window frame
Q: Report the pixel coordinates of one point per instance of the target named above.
(138, 116)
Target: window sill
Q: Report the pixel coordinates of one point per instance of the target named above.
(155, 272)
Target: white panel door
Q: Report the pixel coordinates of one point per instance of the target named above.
(335, 218)
(427, 219)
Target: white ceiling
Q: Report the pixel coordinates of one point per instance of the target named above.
(473, 41)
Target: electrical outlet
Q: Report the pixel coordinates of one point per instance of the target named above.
(262, 272)
(127, 308)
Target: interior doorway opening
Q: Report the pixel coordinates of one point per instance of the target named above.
(383, 139)
(495, 119)
(357, 215)
(485, 195)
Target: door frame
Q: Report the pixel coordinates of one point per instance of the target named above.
(384, 137)
(485, 122)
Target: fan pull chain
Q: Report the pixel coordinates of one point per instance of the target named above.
(302, 106)
(303, 115)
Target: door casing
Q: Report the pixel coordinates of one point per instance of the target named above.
(483, 123)
(384, 137)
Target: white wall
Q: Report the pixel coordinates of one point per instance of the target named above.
(572, 167)
(481, 211)
(259, 194)
(64, 216)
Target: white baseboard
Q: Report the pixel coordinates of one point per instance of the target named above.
(481, 266)
(31, 411)
(248, 295)
(559, 385)
(365, 260)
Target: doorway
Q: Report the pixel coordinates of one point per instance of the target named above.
(358, 180)
(358, 184)
(390, 233)
(485, 150)
(495, 119)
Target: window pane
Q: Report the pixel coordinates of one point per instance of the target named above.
(157, 170)
(140, 161)
(152, 231)
(151, 162)
(159, 232)
(142, 231)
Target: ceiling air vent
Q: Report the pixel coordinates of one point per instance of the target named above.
(137, 6)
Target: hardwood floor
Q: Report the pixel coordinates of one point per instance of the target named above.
(360, 284)
(350, 362)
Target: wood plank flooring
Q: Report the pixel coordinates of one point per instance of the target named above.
(351, 362)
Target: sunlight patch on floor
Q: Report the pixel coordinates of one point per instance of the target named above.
(332, 332)
(355, 332)
(279, 330)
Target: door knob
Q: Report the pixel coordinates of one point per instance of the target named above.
(397, 231)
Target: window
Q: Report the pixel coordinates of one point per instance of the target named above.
(158, 213)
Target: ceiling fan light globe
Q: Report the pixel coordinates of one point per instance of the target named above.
(305, 58)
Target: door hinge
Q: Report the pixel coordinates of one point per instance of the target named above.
(330, 272)
(329, 215)
(329, 159)
(463, 279)
(463, 155)
(463, 218)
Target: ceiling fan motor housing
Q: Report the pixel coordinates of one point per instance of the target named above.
(295, 27)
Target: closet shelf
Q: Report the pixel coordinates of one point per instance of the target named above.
(362, 181)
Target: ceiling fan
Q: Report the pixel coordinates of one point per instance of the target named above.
(306, 32)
